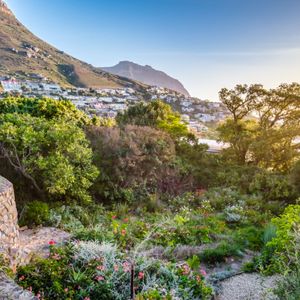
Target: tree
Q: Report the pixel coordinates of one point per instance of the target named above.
(46, 108)
(53, 155)
(131, 157)
(241, 100)
(155, 114)
(295, 176)
(240, 135)
(264, 125)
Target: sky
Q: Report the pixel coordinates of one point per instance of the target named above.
(206, 44)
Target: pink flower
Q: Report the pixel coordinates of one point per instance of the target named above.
(141, 275)
(100, 268)
(126, 220)
(87, 298)
(56, 256)
(22, 278)
(116, 268)
(126, 267)
(123, 232)
(66, 290)
(38, 295)
(99, 278)
(203, 272)
(114, 217)
(51, 242)
(185, 270)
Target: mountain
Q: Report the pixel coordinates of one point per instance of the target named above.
(22, 53)
(147, 75)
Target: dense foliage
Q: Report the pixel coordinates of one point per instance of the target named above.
(143, 192)
(155, 114)
(264, 125)
(87, 270)
(53, 155)
(131, 158)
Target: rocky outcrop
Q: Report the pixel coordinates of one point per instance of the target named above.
(35, 242)
(4, 8)
(10, 290)
(9, 231)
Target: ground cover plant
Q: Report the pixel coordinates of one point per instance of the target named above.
(90, 270)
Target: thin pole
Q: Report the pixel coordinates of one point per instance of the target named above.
(132, 294)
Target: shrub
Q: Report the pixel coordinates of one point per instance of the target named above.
(53, 155)
(289, 287)
(155, 114)
(188, 228)
(76, 217)
(250, 237)
(220, 198)
(35, 213)
(131, 158)
(100, 271)
(44, 108)
(220, 253)
(92, 234)
(249, 267)
(283, 247)
(273, 187)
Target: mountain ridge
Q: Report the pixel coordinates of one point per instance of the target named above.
(23, 53)
(147, 75)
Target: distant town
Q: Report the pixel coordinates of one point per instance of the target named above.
(200, 115)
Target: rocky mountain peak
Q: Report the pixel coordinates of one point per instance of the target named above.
(4, 8)
(146, 74)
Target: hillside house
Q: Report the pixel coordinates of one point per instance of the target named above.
(11, 86)
(205, 117)
(51, 87)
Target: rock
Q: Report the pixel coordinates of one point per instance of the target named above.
(35, 242)
(9, 290)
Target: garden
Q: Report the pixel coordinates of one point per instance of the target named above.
(151, 214)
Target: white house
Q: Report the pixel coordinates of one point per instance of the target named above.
(11, 86)
(32, 85)
(51, 87)
(205, 117)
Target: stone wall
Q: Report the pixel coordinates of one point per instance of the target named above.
(9, 231)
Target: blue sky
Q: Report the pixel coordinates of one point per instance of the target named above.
(206, 44)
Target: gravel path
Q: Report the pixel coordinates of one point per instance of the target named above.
(248, 287)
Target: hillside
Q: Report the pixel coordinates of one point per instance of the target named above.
(147, 75)
(22, 53)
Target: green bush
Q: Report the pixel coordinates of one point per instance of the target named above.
(249, 267)
(249, 238)
(53, 156)
(99, 271)
(289, 287)
(220, 253)
(281, 247)
(273, 187)
(35, 213)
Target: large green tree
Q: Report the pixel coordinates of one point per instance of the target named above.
(53, 155)
(45, 107)
(264, 125)
(155, 114)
